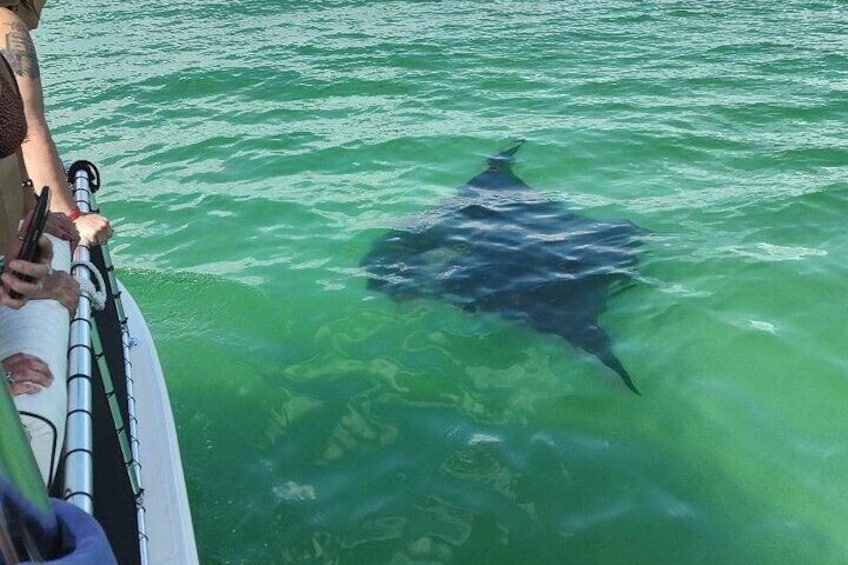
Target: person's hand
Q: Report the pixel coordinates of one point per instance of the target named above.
(62, 287)
(94, 229)
(63, 227)
(26, 374)
(11, 277)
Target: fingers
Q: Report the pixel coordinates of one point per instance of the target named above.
(19, 362)
(64, 288)
(17, 389)
(23, 359)
(61, 226)
(26, 374)
(9, 302)
(38, 281)
(45, 250)
(70, 298)
(94, 229)
(25, 289)
(36, 271)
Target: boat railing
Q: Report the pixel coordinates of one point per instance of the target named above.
(86, 347)
(77, 460)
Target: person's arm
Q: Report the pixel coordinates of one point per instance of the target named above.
(40, 154)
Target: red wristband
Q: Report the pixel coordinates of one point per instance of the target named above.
(74, 213)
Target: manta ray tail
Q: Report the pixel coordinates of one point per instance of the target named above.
(597, 342)
(611, 361)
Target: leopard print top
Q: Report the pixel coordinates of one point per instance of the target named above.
(13, 127)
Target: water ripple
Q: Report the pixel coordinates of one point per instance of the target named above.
(252, 151)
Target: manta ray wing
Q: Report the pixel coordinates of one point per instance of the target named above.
(502, 248)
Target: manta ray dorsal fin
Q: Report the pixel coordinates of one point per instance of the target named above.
(498, 174)
(505, 158)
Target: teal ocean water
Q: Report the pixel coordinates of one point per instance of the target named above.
(252, 151)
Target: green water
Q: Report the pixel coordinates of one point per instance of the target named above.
(251, 152)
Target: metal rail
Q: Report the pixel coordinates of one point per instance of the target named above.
(84, 178)
(78, 455)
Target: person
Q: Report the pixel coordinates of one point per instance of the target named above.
(39, 150)
(41, 159)
(14, 202)
(72, 536)
(33, 333)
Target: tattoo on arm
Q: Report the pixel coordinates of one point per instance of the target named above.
(19, 51)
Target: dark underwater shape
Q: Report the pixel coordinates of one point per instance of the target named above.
(501, 247)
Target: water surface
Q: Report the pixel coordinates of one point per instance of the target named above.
(251, 152)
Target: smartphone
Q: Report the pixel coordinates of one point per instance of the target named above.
(29, 250)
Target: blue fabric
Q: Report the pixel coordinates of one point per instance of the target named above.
(64, 534)
(81, 537)
(25, 519)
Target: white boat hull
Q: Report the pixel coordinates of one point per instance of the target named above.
(168, 516)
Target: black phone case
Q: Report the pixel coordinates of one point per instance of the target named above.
(29, 248)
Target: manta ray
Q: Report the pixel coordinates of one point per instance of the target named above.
(501, 247)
